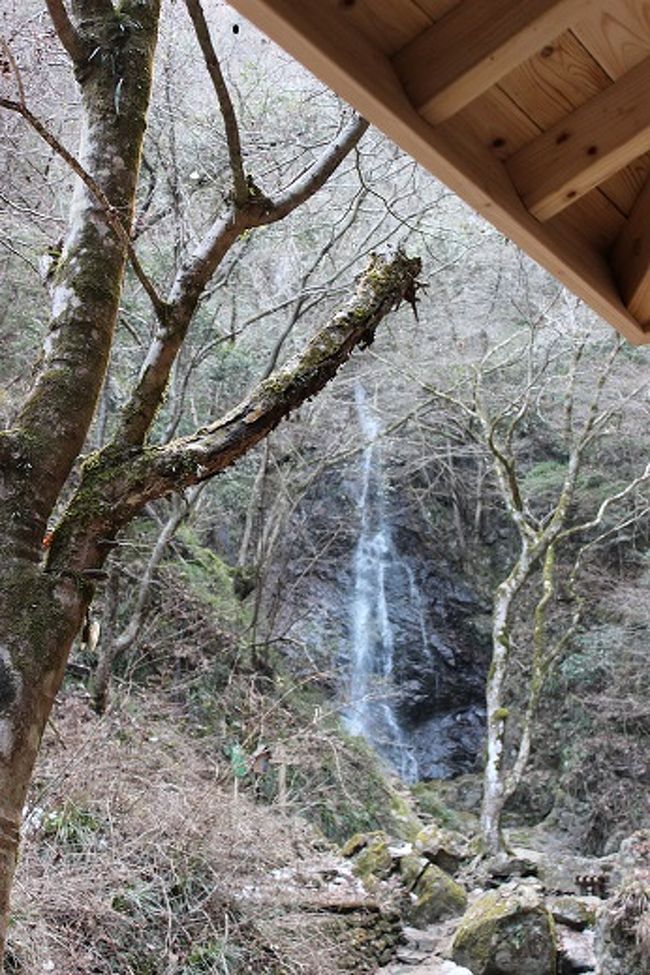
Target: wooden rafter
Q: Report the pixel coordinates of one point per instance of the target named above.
(585, 147)
(631, 258)
(334, 40)
(474, 46)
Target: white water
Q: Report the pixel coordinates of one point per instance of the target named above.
(373, 693)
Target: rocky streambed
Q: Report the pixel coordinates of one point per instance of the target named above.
(529, 912)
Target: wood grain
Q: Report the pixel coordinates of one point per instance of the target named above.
(388, 26)
(352, 66)
(504, 128)
(586, 147)
(560, 78)
(474, 46)
(617, 36)
(555, 81)
(436, 9)
(631, 259)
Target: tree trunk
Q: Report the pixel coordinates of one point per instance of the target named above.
(494, 792)
(42, 609)
(39, 616)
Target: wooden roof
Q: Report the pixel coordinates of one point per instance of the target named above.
(536, 112)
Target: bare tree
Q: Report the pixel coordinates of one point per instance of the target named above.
(510, 388)
(45, 593)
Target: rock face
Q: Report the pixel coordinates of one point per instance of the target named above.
(439, 641)
(507, 931)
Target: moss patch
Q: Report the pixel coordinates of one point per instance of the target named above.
(507, 932)
(433, 893)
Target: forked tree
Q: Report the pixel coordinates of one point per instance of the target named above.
(539, 376)
(45, 591)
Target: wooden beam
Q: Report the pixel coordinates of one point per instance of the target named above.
(631, 258)
(386, 24)
(348, 63)
(474, 46)
(585, 148)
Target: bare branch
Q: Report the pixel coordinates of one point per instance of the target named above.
(83, 537)
(66, 31)
(107, 210)
(202, 32)
(606, 504)
(194, 276)
(318, 174)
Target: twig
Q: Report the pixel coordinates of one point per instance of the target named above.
(108, 211)
(202, 32)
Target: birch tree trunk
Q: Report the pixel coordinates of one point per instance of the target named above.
(494, 789)
(539, 543)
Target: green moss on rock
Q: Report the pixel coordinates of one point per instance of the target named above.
(375, 859)
(507, 931)
(406, 824)
(433, 894)
(354, 844)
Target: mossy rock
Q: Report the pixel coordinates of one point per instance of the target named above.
(575, 912)
(507, 931)
(433, 894)
(444, 847)
(356, 843)
(450, 803)
(374, 859)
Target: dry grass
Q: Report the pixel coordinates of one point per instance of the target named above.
(628, 916)
(139, 854)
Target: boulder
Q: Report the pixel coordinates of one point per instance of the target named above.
(518, 863)
(433, 894)
(575, 951)
(507, 931)
(574, 912)
(445, 848)
(372, 855)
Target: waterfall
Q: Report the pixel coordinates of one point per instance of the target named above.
(380, 578)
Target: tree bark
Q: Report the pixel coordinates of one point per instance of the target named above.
(40, 609)
(44, 596)
(118, 481)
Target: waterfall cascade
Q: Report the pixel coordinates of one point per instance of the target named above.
(380, 577)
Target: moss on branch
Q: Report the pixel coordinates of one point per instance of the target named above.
(118, 481)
